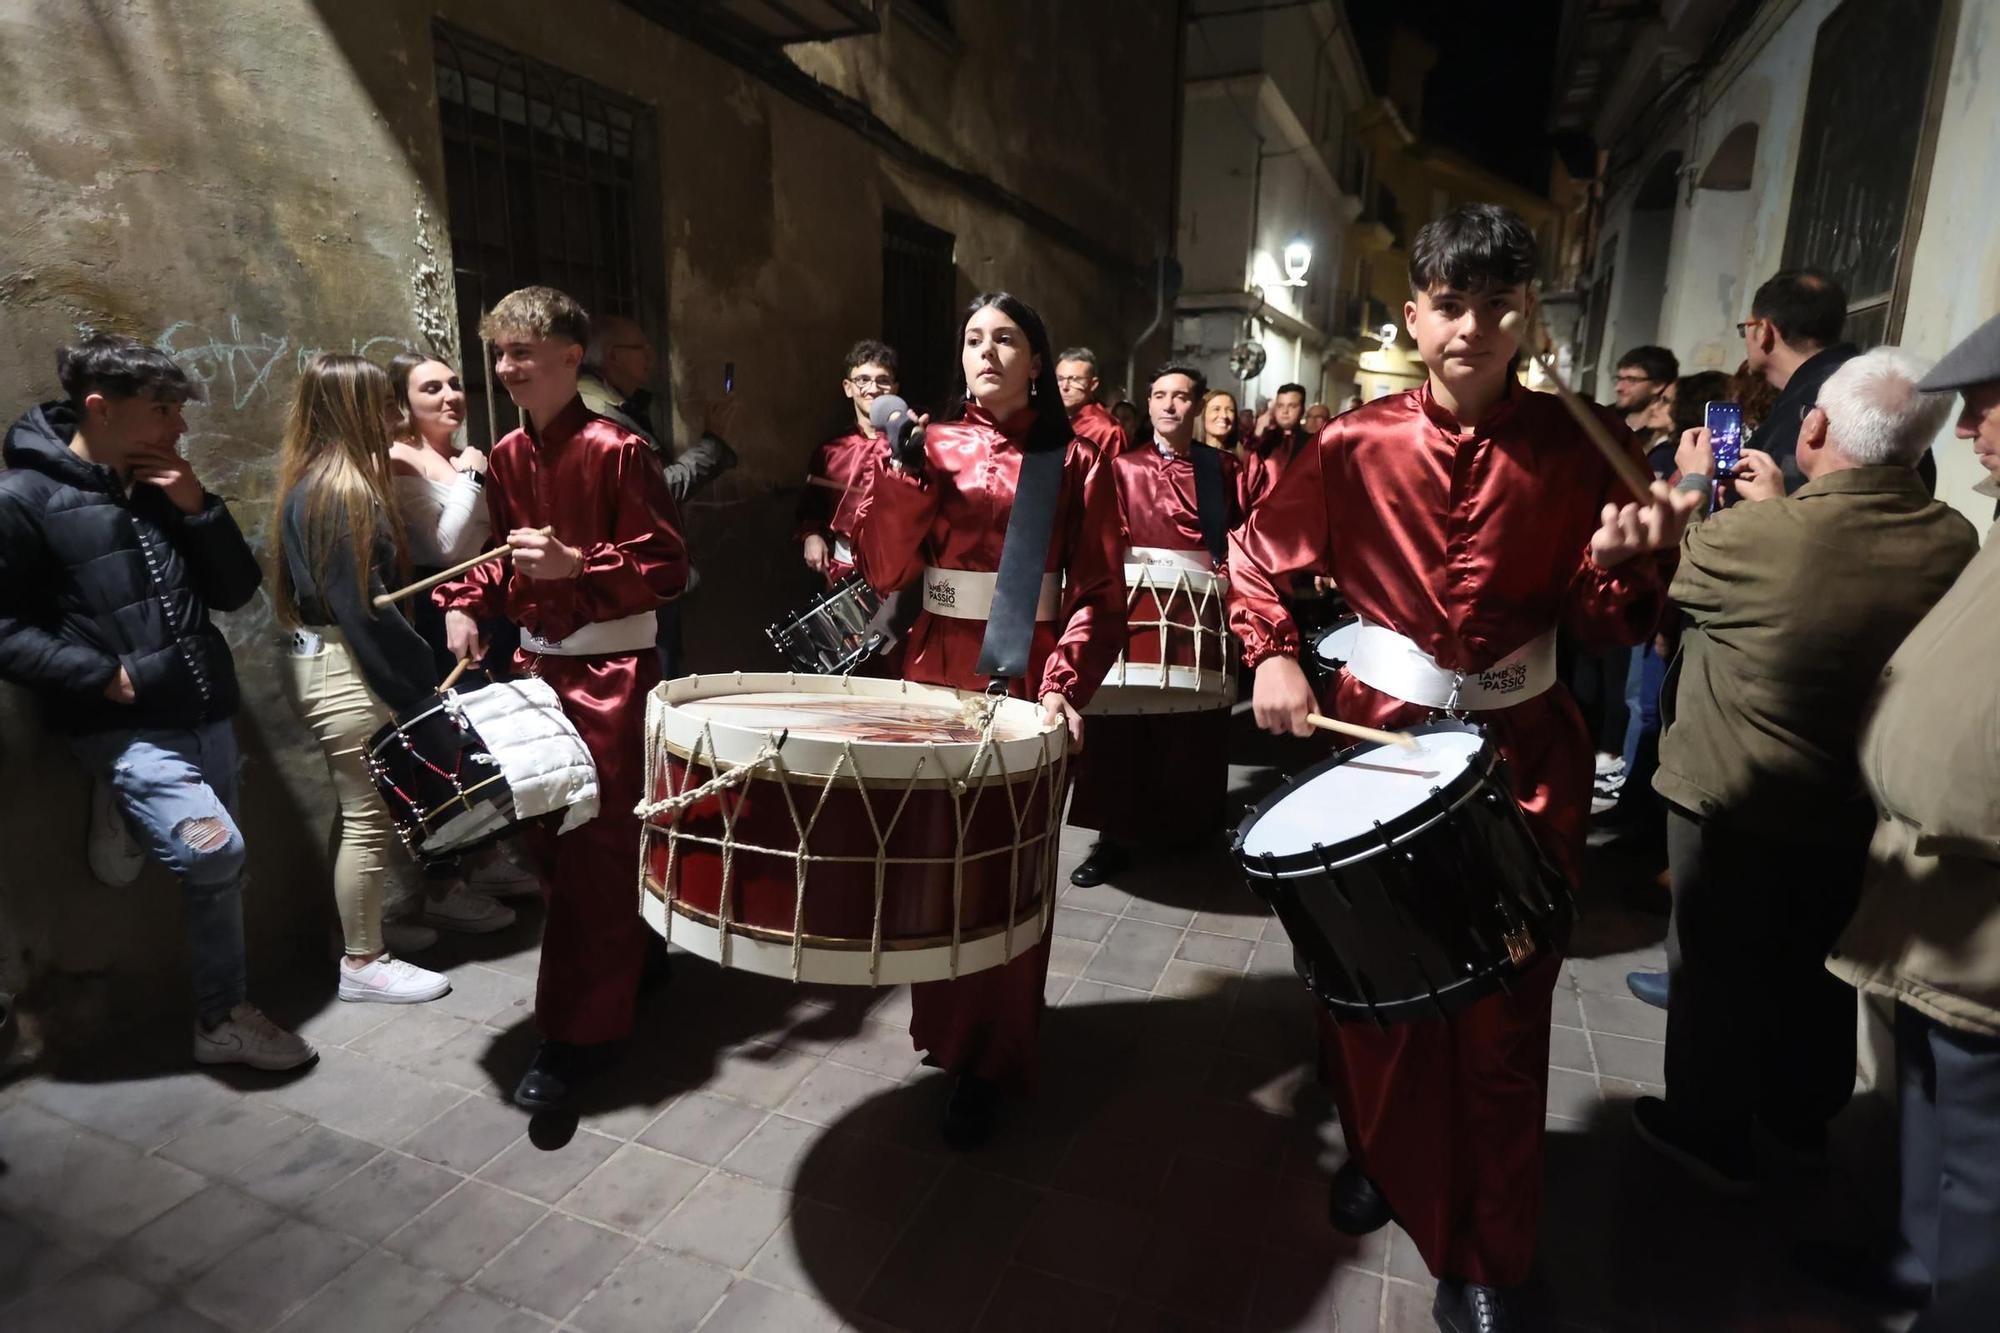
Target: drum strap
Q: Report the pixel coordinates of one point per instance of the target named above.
(1024, 555)
(1210, 505)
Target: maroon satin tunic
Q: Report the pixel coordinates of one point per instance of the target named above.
(1160, 779)
(603, 491)
(955, 516)
(1265, 459)
(827, 513)
(1472, 543)
(1101, 430)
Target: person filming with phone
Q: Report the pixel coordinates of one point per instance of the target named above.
(1793, 604)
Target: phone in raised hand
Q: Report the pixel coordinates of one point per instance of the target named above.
(1725, 438)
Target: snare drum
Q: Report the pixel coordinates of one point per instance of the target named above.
(468, 766)
(1331, 647)
(1177, 656)
(1408, 880)
(848, 830)
(839, 630)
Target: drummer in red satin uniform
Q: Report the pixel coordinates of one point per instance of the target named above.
(1467, 520)
(1076, 376)
(937, 527)
(840, 467)
(1161, 779)
(584, 596)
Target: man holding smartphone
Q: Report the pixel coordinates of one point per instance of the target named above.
(1793, 604)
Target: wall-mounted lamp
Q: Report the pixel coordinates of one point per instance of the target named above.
(1298, 258)
(1386, 335)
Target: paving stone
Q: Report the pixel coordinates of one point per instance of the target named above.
(144, 1112)
(461, 1232)
(1570, 1049)
(1629, 1058)
(751, 1307)
(1106, 898)
(703, 1127)
(1572, 1096)
(831, 1092)
(1194, 981)
(1077, 924)
(414, 1040)
(379, 1294)
(467, 1136)
(1216, 951)
(365, 1097)
(724, 1220)
(824, 1251)
(232, 1135)
(761, 1075)
(303, 1166)
(186, 1240)
(948, 1261)
(772, 1152)
(1068, 957)
(555, 1264)
(1084, 1239)
(92, 1297)
(1165, 914)
(633, 1189)
(267, 1277)
(467, 1311)
(487, 995)
(340, 1023)
(546, 1174)
(1236, 925)
(30, 1260)
(380, 1197)
(653, 1291)
(879, 1049)
(1027, 1299)
(79, 1188)
(171, 1319)
(1623, 1016)
(1566, 1010)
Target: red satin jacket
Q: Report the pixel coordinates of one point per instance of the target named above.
(603, 491)
(955, 517)
(1470, 542)
(1101, 430)
(828, 513)
(1156, 499)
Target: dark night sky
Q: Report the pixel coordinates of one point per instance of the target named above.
(1488, 94)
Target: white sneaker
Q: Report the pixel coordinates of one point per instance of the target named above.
(467, 912)
(246, 1037)
(115, 856)
(499, 876)
(388, 980)
(1609, 763)
(408, 936)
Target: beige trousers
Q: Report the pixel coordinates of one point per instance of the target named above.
(341, 711)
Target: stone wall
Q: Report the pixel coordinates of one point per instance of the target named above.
(246, 183)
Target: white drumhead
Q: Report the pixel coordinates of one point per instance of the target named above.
(1378, 784)
(926, 720)
(1337, 647)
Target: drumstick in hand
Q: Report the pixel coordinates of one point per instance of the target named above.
(422, 585)
(1361, 733)
(1522, 329)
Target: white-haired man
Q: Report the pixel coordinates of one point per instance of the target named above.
(1793, 605)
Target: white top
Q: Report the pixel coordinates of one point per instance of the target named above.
(1379, 784)
(446, 520)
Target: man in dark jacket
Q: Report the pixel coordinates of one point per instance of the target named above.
(1792, 339)
(111, 555)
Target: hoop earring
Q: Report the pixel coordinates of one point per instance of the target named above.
(1033, 388)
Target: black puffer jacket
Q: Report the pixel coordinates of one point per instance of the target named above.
(93, 576)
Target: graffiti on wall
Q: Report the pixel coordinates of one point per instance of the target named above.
(238, 367)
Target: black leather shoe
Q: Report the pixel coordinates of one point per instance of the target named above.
(1651, 987)
(1354, 1202)
(559, 1070)
(1105, 860)
(1470, 1307)
(972, 1113)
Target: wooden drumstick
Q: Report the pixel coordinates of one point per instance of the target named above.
(827, 482)
(1522, 328)
(464, 663)
(423, 585)
(1361, 733)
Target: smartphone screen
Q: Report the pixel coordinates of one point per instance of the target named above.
(1725, 436)
(729, 377)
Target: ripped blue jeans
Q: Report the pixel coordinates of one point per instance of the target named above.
(178, 789)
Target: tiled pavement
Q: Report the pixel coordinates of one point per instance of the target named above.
(769, 1160)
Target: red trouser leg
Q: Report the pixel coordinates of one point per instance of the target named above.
(984, 1024)
(593, 946)
(1447, 1118)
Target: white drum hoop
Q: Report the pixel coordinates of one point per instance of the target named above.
(807, 767)
(1138, 688)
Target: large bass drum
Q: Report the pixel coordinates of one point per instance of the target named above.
(1178, 657)
(1407, 880)
(848, 830)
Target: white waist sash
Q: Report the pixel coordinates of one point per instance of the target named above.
(1387, 661)
(967, 594)
(843, 554)
(600, 638)
(1199, 562)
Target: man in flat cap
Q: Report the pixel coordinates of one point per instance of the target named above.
(1927, 931)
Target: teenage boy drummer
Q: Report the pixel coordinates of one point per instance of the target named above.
(585, 597)
(1467, 519)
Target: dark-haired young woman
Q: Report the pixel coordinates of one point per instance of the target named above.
(950, 512)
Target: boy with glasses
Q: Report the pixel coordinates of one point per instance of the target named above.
(1076, 376)
(839, 467)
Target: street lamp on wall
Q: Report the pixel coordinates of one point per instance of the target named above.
(1298, 258)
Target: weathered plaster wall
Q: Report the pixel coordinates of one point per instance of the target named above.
(247, 182)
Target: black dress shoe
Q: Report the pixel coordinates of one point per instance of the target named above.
(1105, 860)
(1471, 1307)
(559, 1069)
(972, 1113)
(1648, 987)
(1354, 1202)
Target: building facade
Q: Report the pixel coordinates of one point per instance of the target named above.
(246, 183)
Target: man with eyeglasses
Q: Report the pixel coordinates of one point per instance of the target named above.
(1792, 339)
(1076, 376)
(840, 467)
(1643, 374)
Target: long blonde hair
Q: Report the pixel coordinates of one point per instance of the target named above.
(337, 446)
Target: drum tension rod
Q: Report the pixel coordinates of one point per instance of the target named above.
(1326, 867)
